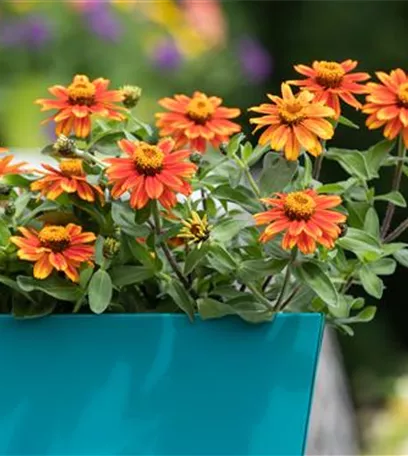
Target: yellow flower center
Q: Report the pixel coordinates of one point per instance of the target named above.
(291, 112)
(403, 94)
(148, 159)
(200, 109)
(54, 237)
(81, 91)
(329, 74)
(299, 206)
(72, 167)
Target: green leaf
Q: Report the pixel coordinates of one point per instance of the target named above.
(15, 180)
(393, 197)
(128, 275)
(376, 155)
(402, 257)
(106, 143)
(245, 307)
(357, 212)
(99, 258)
(139, 252)
(85, 276)
(276, 174)
(390, 249)
(251, 270)
(124, 217)
(372, 284)
(24, 309)
(239, 195)
(14, 286)
(221, 260)
(258, 153)
(307, 172)
(100, 291)
(194, 258)
(338, 187)
(181, 297)
(20, 204)
(347, 122)
(227, 229)
(54, 286)
(372, 223)
(234, 143)
(352, 161)
(4, 233)
(360, 242)
(246, 151)
(383, 266)
(365, 316)
(313, 275)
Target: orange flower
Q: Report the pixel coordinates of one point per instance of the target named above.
(150, 172)
(305, 219)
(70, 178)
(7, 168)
(294, 121)
(79, 101)
(387, 104)
(197, 120)
(62, 248)
(330, 81)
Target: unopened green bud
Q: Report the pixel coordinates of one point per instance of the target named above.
(110, 247)
(223, 148)
(131, 95)
(5, 190)
(65, 146)
(196, 158)
(9, 209)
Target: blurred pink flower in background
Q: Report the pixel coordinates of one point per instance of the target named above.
(207, 18)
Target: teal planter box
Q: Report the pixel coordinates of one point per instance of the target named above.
(156, 385)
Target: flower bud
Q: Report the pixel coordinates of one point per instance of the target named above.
(110, 247)
(196, 157)
(9, 209)
(223, 148)
(5, 190)
(131, 95)
(65, 146)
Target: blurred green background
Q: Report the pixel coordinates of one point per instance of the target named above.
(239, 51)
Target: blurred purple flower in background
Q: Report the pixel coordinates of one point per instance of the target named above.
(166, 55)
(255, 60)
(32, 31)
(102, 21)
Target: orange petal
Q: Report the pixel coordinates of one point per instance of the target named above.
(42, 268)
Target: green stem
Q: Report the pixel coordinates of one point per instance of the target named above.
(172, 262)
(397, 232)
(285, 284)
(318, 163)
(260, 297)
(248, 175)
(396, 182)
(90, 157)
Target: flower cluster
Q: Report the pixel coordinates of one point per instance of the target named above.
(182, 221)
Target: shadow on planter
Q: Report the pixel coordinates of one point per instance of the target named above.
(156, 385)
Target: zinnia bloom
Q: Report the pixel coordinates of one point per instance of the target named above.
(62, 248)
(7, 168)
(387, 104)
(294, 122)
(304, 218)
(69, 178)
(150, 172)
(79, 101)
(197, 120)
(330, 81)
